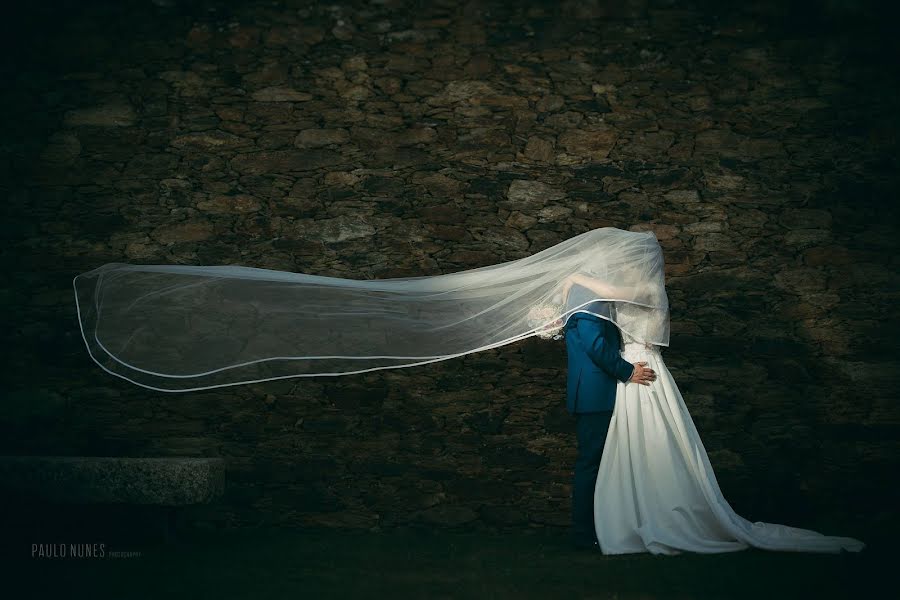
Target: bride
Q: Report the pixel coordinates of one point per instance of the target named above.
(656, 491)
(179, 328)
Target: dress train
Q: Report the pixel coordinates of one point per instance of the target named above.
(656, 491)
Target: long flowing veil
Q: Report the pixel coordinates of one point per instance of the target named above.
(180, 328)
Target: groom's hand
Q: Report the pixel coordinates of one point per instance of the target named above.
(642, 373)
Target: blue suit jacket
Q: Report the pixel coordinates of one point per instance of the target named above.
(594, 363)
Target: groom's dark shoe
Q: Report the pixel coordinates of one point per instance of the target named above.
(584, 543)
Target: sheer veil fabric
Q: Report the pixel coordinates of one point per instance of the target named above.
(180, 328)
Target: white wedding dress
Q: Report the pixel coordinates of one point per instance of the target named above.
(656, 491)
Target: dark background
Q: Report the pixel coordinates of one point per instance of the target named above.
(363, 140)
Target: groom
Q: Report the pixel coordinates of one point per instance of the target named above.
(594, 367)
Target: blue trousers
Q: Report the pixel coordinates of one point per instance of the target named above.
(591, 429)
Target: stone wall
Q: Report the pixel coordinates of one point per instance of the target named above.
(389, 139)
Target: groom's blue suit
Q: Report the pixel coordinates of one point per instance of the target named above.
(592, 346)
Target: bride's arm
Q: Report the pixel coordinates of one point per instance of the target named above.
(601, 288)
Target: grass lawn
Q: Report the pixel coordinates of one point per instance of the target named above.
(261, 563)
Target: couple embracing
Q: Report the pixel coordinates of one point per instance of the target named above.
(642, 478)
